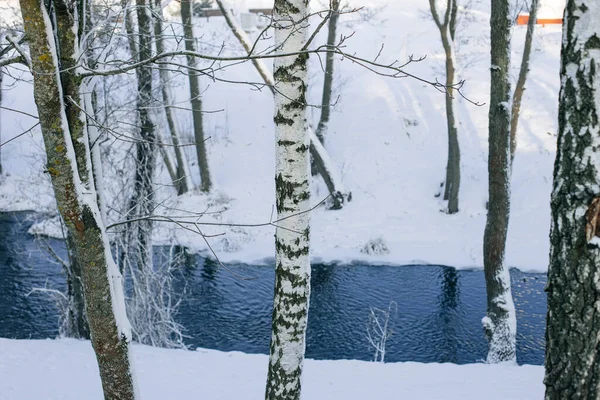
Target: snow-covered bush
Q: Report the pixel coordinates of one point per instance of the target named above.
(375, 247)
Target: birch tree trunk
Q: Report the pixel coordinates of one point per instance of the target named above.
(196, 99)
(77, 200)
(292, 274)
(573, 321)
(183, 182)
(322, 162)
(520, 87)
(447, 27)
(500, 323)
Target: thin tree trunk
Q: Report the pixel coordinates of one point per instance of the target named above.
(72, 93)
(322, 162)
(142, 201)
(453, 167)
(573, 321)
(500, 323)
(89, 100)
(196, 100)
(520, 87)
(447, 28)
(328, 79)
(129, 29)
(183, 182)
(77, 202)
(292, 274)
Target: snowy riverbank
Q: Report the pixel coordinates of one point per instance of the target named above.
(66, 369)
(387, 136)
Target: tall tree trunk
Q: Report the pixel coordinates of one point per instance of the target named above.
(334, 15)
(196, 100)
(453, 167)
(71, 89)
(183, 182)
(322, 162)
(500, 323)
(142, 200)
(447, 28)
(292, 274)
(77, 203)
(326, 97)
(139, 239)
(520, 87)
(573, 321)
(131, 35)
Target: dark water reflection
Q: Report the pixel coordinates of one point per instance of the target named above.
(438, 316)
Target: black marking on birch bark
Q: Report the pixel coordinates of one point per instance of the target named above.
(285, 7)
(286, 142)
(593, 43)
(287, 190)
(281, 120)
(289, 249)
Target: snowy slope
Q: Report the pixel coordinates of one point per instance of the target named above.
(387, 136)
(66, 369)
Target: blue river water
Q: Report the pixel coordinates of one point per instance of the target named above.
(437, 318)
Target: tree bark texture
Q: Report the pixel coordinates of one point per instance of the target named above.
(292, 275)
(196, 99)
(573, 321)
(520, 87)
(500, 323)
(77, 202)
(77, 323)
(447, 27)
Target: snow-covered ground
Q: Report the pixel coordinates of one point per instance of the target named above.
(66, 369)
(387, 137)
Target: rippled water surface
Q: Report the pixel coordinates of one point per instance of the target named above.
(438, 317)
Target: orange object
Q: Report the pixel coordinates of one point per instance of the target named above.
(523, 19)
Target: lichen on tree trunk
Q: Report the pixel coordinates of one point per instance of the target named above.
(77, 202)
(500, 323)
(573, 321)
(292, 275)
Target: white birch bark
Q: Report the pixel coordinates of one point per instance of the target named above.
(573, 321)
(292, 276)
(326, 167)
